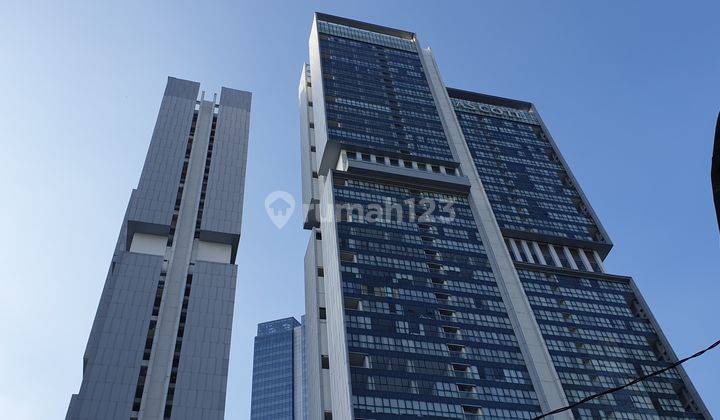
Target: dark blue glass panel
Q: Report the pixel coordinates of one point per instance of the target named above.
(272, 383)
(378, 99)
(598, 340)
(528, 186)
(428, 333)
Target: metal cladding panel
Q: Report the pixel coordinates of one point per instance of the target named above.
(318, 93)
(312, 325)
(340, 384)
(111, 369)
(202, 372)
(155, 198)
(299, 367)
(224, 200)
(310, 194)
(155, 393)
(101, 313)
(139, 319)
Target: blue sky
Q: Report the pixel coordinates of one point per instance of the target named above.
(629, 91)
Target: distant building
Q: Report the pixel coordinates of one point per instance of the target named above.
(278, 386)
(484, 295)
(160, 342)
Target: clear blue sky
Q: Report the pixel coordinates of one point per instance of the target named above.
(630, 92)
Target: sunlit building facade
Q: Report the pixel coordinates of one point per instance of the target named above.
(159, 346)
(455, 267)
(278, 385)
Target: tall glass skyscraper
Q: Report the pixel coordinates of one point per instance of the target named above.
(455, 267)
(278, 386)
(160, 343)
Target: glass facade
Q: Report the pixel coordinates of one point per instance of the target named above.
(598, 340)
(429, 309)
(377, 97)
(596, 330)
(527, 185)
(427, 330)
(272, 383)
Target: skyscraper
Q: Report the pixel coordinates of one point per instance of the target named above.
(160, 342)
(278, 386)
(455, 267)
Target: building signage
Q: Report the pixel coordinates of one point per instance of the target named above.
(494, 111)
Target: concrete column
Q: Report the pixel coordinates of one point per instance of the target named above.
(554, 255)
(585, 260)
(156, 384)
(539, 253)
(339, 373)
(514, 249)
(599, 261)
(569, 257)
(540, 366)
(527, 252)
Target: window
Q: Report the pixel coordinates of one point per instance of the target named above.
(465, 388)
(451, 330)
(325, 361)
(455, 348)
(460, 368)
(578, 261)
(591, 258)
(357, 359)
(394, 162)
(322, 313)
(407, 164)
(320, 272)
(442, 297)
(471, 409)
(346, 256)
(450, 171)
(352, 304)
(431, 253)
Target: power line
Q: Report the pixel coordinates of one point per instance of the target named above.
(633, 382)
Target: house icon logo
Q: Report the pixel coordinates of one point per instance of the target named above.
(279, 206)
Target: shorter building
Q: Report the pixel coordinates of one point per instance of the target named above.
(279, 369)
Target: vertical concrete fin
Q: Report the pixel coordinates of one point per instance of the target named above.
(540, 366)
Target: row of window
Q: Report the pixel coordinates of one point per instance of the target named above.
(529, 187)
(598, 339)
(361, 77)
(423, 292)
(403, 163)
(554, 255)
